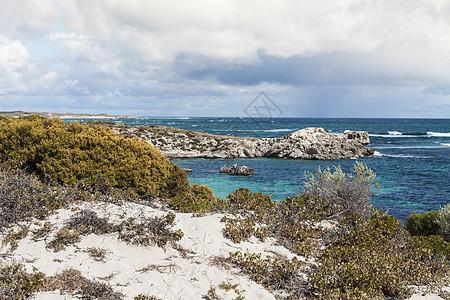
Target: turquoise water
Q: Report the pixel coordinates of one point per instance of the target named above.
(412, 159)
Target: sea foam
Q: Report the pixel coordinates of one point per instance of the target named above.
(395, 133)
(438, 134)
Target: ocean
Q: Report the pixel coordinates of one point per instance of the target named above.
(411, 160)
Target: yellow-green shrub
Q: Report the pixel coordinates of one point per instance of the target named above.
(70, 152)
(378, 259)
(422, 224)
(197, 199)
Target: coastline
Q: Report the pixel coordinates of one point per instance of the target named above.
(308, 143)
(16, 114)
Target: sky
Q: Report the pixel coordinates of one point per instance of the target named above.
(341, 58)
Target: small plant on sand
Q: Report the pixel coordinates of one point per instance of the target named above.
(87, 222)
(13, 237)
(150, 231)
(146, 297)
(70, 281)
(238, 229)
(98, 254)
(64, 237)
(274, 273)
(43, 231)
(15, 283)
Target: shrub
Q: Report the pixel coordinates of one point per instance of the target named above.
(150, 231)
(87, 222)
(243, 199)
(13, 238)
(443, 222)
(423, 224)
(71, 281)
(71, 152)
(147, 231)
(24, 197)
(15, 283)
(377, 259)
(272, 272)
(197, 199)
(145, 297)
(289, 221)
(349, 193)
(64, 237)
(238, 229)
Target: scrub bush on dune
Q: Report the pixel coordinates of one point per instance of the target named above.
(71, 152)
(349, 193)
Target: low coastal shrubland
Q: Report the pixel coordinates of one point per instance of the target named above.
(72, 152)
(342, 248)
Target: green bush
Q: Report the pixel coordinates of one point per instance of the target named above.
(423, 224)
(245, 200)
(378, 259)
(71, 152)
(197, 199)
(272, 272)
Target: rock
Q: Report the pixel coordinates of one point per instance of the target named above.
(361, 136)
(307, 143)
(187, 170)
(237, 170)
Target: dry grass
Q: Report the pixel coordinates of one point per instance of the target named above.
(169, 268)
(71, 281)
(98, 254)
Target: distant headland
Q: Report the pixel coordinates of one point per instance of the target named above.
(62, 115)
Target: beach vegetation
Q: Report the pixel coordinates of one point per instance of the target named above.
(16, 283)
(377, 258)
(349, 192)
(43, 231)
(98, 254)
(64, 237)
(197, 199)
(24, 197)
(146, 297)
(71, 281)
(72, 152)
(274, 273)
(146, 231)
(12, 237)
(443, 222)
(150, 231)
(423, 224)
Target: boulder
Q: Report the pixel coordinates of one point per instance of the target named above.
(237, 170)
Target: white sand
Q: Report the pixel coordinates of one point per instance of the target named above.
(178, 278)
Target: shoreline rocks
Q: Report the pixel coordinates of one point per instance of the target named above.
(237, 170)
(309, 143)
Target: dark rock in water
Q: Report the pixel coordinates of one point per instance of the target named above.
(237, 170)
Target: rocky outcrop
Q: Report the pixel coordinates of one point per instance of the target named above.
(237, 170)
(307, 143)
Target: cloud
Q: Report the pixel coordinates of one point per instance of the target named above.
(210, 55)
